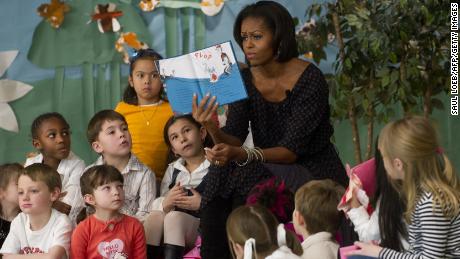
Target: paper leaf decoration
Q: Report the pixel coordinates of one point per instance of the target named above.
(211, 7)
(6, 59)
(53, 12)
(128, 40)
(148, 5)
(10, 90)
(106, 17)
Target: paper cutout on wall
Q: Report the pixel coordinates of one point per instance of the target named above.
(211, 7)
(106, 17)
(10, 90)
(81, 44)
(148, 5)
(53, 12)
(129, 40)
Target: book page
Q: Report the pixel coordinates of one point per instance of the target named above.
(212, 70)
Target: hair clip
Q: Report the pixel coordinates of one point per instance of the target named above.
(249, 246)
(439, 150)
(281, 235)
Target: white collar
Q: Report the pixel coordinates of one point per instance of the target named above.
(179, 164)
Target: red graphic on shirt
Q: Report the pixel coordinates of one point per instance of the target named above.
(112, 249)
(31, 250)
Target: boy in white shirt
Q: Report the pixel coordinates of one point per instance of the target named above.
(51, 137)
(317, 219)
(109, 136)
(38, 229)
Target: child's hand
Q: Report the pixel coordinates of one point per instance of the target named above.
(171, 197)
(354, 201)
(366, 250)
(189, 202)
(62, 207)
(222, 153)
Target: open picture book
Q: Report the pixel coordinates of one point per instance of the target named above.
(213, 70)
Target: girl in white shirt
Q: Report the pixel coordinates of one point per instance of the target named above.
(431, 188)
(385, 225)
(175, 217)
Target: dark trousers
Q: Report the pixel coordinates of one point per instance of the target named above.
(214, 242)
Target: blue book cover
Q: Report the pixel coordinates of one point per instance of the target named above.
(212, 70)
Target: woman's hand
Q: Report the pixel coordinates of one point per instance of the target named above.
(366, 250)
(222, 153)
(203, 111)
(189, 202)
(172, 196)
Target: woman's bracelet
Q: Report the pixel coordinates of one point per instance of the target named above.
(252, 154)
(249, 157)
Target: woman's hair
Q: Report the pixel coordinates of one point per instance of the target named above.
(42, 172)
(273, 195)
(257, 222)
(44, 117)
(130, 95)
(9, 172)
(278, 21)
(392, 206)
(173, 119)
(414, 141)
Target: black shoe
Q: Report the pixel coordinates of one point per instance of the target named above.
(154, 252)
(173, 251)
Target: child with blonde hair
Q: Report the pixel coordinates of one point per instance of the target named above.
(317, 219)
(253, 233)
(431, 188)
(9, 207)
(107, 233)
(38, 229)
(146, 111)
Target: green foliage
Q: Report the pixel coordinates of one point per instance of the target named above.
(394, 52)
(397, 47)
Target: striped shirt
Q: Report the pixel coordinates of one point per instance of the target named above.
(139, 186)
(431, 234)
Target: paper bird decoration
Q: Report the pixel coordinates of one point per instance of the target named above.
(10, 90)
(53, 12)
(211, 7)
(106, 17)
(128, 40)
(148, 5)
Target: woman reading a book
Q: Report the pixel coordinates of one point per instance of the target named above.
(288, 111)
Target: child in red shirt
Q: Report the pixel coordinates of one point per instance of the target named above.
(107, 233)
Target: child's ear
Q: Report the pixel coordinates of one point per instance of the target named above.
(36, 143)
(55, 194)
(97, 147)
(239, 251)
(89, 198)
(297, 217)
(130, 81)
(203, 133)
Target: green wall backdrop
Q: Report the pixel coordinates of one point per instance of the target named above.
(97, 82)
